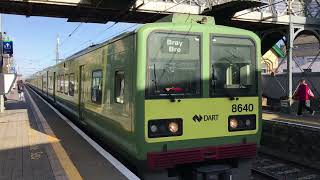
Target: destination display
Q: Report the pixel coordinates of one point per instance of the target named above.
(175, 45)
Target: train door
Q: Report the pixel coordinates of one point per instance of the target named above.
(54, 87)
(81, 92)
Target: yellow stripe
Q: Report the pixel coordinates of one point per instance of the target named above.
(66, 163)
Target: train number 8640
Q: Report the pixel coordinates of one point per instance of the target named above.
(242, 107)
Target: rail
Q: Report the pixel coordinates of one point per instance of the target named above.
(278, 169)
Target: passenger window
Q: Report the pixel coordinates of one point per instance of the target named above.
(58, 84)
(44, 82)
(61, 83)
(71, 85)
(96, 87)
(119, 87)
(50, 83)
(66, 83)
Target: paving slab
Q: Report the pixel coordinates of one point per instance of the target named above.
(33, 146)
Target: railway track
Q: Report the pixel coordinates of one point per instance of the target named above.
(268, 167)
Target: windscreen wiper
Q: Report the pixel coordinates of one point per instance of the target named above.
(155, 77)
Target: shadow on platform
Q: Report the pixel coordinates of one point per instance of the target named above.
(12, 104)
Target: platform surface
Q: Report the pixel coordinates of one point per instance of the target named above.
(35, 143)
(305, 119)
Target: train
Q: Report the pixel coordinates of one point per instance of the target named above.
(179, 98)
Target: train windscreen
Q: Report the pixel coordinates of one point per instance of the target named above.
(174, 65)
(233, 67)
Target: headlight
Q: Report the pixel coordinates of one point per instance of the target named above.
(233, 123)
(164, 127)
(173, 127)
(153, 128)
(242, 122)
(248, 122)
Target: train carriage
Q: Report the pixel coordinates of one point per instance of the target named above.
(180, 95)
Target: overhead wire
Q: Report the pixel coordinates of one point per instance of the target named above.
(70, 34)
(98, 34)
(104, 30)
(75, 29)
(152, 16)
(101, 32)
(144, 20)
(117, 33)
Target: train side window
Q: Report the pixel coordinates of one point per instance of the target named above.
(44, 82)
(96, 86)
(50, 84)
(58, 83)
(71, 84)
(66, 83)
(119, 87)
(61, 83)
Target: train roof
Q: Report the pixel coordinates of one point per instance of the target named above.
(175, 18)
(96, 46)
(88, 49)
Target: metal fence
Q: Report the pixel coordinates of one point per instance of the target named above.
(276, 87)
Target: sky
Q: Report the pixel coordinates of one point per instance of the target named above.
(34, 38)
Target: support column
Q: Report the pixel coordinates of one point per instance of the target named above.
(290, 39)
(1, 69)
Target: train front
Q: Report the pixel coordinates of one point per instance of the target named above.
(201, 97)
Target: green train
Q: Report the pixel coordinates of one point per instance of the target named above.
(178, 98)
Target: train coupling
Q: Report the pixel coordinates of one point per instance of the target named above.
(212, 172)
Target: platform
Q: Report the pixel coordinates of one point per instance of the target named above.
(306, 119)
(37, 144)
(291, 137)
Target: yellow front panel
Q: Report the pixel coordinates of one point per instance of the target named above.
(218, 109)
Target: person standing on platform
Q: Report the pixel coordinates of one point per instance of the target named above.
(303, 94)
(20, 90)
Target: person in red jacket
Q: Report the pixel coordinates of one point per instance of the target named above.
(303, 94)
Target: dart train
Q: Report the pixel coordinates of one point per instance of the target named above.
(178, 98)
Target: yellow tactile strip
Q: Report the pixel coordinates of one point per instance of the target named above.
(57, 154)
